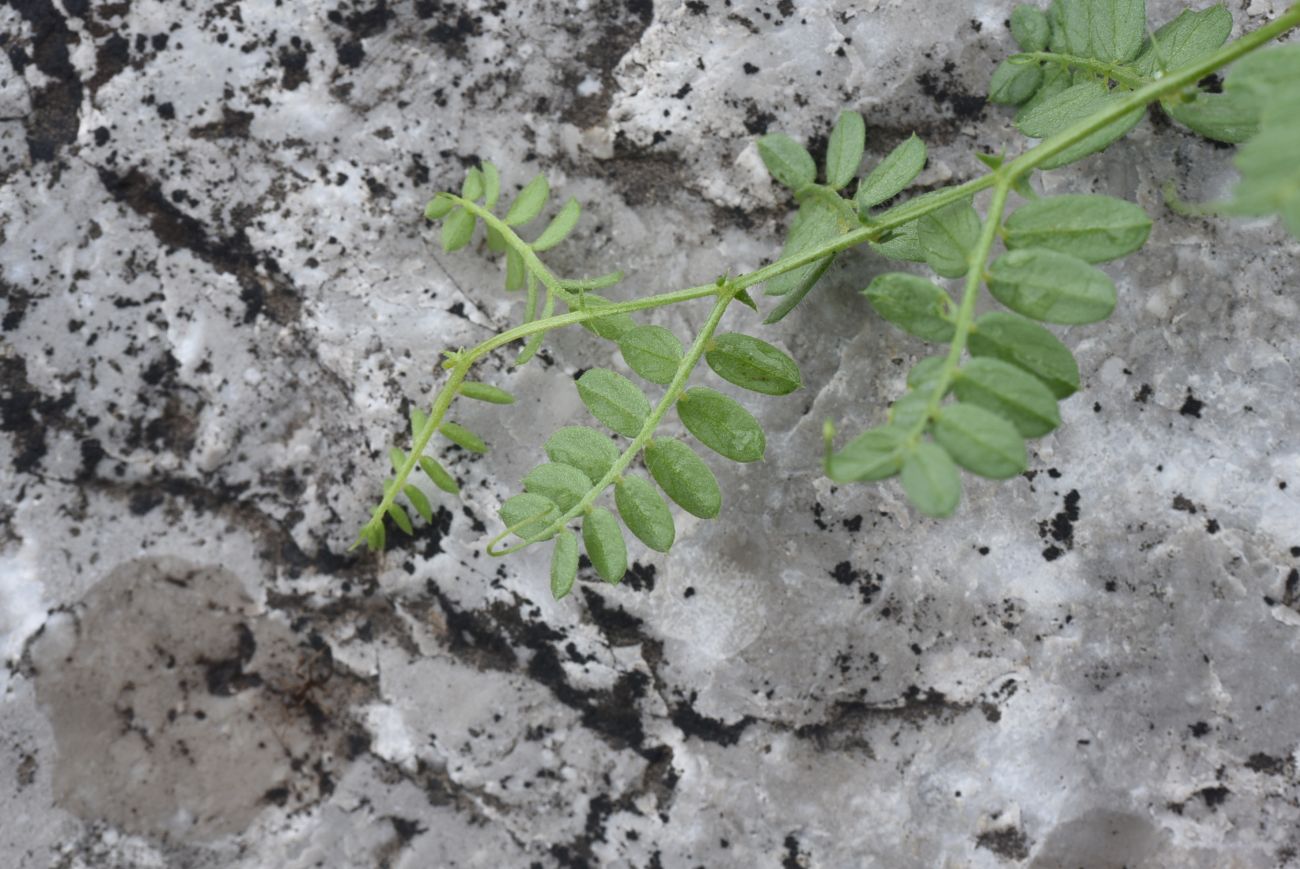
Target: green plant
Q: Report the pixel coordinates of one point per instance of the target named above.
(1086, 75)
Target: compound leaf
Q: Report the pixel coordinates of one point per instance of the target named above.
(913, 304)
(931, 481)
(645, 513)
(753, 364)
(1093, 228)
(603, 540)
(787, 160)
(981, 441)
(1051, 286)
(529, 203)
(583, 448)
(721, 424)
(564, 564)
(614, 400)
(560, 226)
(684, 477)
(562, 485)
(1028, 346)
(947, 236)
(891, 175)
(1020, 397)
(652, 352)
(844, 152)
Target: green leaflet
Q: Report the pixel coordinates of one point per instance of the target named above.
(515, 272)
(1029, 28)
(684, 477)
(562, 485)
(947, 236)
(913, 304)
(1055, 80)
(792, 299)
(1051, 286)
(398, 515)
(472, 189)
(1069, 107)
(560, 226)
(614, 400)
(721, 424)
(1270, 171)
(564, 564)
(1107, 30)
(981, 441)
(753, 364)
(439, 207)
(1221, 117)
(815, 223)
(583, 448)
(1266, 76)
(1188, 38)
(892, 175)
(529, 203)
(528, 515)
(652, 352)
(910, 410)
(603, 540)
(419, 501)
(611, 327)
(644, 513)
(1030, 347)
(496, 242)
(457, 229)
(924, 372)
(876, 454)
(1093, 228)
(491, 186)
(463, 437)
(902, 244)
(787, 160)
(931, 481)
(439, 475)
(484, 392)
(1024, 400)
(844, 151)
(1014, 83)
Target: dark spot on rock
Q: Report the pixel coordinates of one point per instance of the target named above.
(1214, 796)
(692, 723)
(1199, 729)
(945, 88)
(1266, 764)
(749, 68)
(1191, 406)
(56, 105)
(1010, 843)
(1184, 504)
(233, 125)
(1143, 395)
(351, 53)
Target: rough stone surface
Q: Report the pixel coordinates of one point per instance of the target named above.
(219, 299)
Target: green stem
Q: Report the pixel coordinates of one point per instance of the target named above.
(1125, 75)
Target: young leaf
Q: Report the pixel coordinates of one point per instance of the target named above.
(419, 501)
(439, 475)
(473, 187)
(528, 515)
(603, 540)
(1093, 228)
(1003, 388)
(439, 207)
(787, 160)
(753, 364)
(1028, 346)
(1107, 30)
(463, 437)
(562, 485)
(1050, 286)
(981, 441)
(1070, 106)
(1029, 28)
(484, 392)
(893, 174)
(1185, 40)
(1014, 83)
(529, 203)
(876, 454)
(684, 477)
(844, 152)
(491, 186)
(721, 424)
(645, 513)
(559, 227)
(614, 400)
(564, 564)
(583, 448)
(398, 515)
(457, 229)
(930, 480)
(652, 352)
(815, 223)
(611, 327)
(913, 304)
(947, 236)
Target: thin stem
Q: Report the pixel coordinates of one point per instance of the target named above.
(1125, 75)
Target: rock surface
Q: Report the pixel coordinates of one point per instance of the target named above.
(220, 299)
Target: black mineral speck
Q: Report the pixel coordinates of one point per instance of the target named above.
(1191, 406)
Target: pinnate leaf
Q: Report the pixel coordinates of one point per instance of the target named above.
(603, 540)
(1093, 228)
(931, 481)
(753, 364)
(562, 485)
(913, 304)
(583, 448)
(684, 477)
(652, 352)
(980, 441)
(644, 513)
(614, 400)
(787, 160)
(564, 564)
(721, 424)
(529, 203)
(892, 175)
(1051, 286)
(560, 226)
(1019, 397)
(947, 236)
(844, 151)
(1028, 346)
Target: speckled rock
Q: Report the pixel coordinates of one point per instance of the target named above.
(219, 300)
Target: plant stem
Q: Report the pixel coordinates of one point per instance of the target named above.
(1125, 75)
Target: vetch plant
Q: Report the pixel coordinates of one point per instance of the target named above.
(1087, 72)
